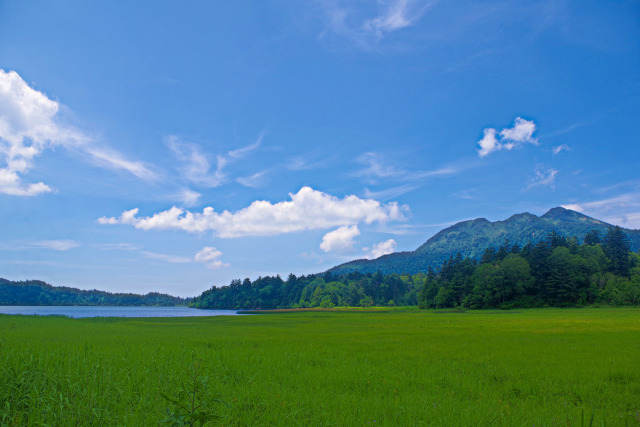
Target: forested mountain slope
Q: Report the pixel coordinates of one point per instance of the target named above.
(471, 238)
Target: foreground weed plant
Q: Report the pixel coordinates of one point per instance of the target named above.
(189, 407)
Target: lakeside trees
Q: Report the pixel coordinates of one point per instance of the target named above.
(36, 292)
(557, 271)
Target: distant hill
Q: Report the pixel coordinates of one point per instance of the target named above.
(472, 237)
(36, 292)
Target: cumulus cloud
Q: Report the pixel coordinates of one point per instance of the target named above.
(209, 256)
(489, 143)
(379, 249)
(29, 124)
(340, 240)
(308, 209)
(57, 245)
(509, 138)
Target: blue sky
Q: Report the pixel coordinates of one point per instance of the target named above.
(172, 146)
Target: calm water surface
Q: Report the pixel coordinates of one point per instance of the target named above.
(84, 311)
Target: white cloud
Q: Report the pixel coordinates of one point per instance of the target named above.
(189, 197)
(622, 210)
(243, 152)
(560, 148)
(111, 159)
(340, 240)
(209, 255)
(195, 164)
(29, 124)
(298, 164)
(357, 24)
(396, 14)
(390, 193)
(379, 249)
(509, 138)
(375, 167)
(168, 258)
(574, 207)
(544, 177)
(130, 247)
(308, 209)
(57, 245)
(489, 143)
(521, 132)
(376, 170)
(254, 181)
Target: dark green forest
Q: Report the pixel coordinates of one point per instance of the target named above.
(36, 292)
(556, 271)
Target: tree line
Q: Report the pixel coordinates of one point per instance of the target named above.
(36, 292)
(556, 271)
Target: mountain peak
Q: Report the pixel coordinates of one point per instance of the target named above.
(557, 212)
(470, 238)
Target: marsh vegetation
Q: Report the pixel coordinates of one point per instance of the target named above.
(348, 367)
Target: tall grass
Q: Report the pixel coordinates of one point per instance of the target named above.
(532, 367)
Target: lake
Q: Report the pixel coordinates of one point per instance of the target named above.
(104, 311)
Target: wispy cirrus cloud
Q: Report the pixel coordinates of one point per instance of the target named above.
(207, 255)
(256, 180)
(196, 164)
(308, 209)
(560, 148)
(376, 169)
(204, 169)
(56, 245)
(543, 178)
(365, 25)
(243, 152)
(521, 133)
(30, 123)
(390, 193)
(167, 258)
(622, 209)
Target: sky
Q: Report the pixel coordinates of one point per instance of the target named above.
(174, 146)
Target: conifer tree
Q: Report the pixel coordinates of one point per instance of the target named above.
(616, 247)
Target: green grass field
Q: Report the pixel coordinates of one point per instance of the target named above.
(399, 367)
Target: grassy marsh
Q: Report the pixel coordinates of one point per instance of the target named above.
(391, 367)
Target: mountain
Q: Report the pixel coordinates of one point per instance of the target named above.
(472, 237)
(36, 292)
